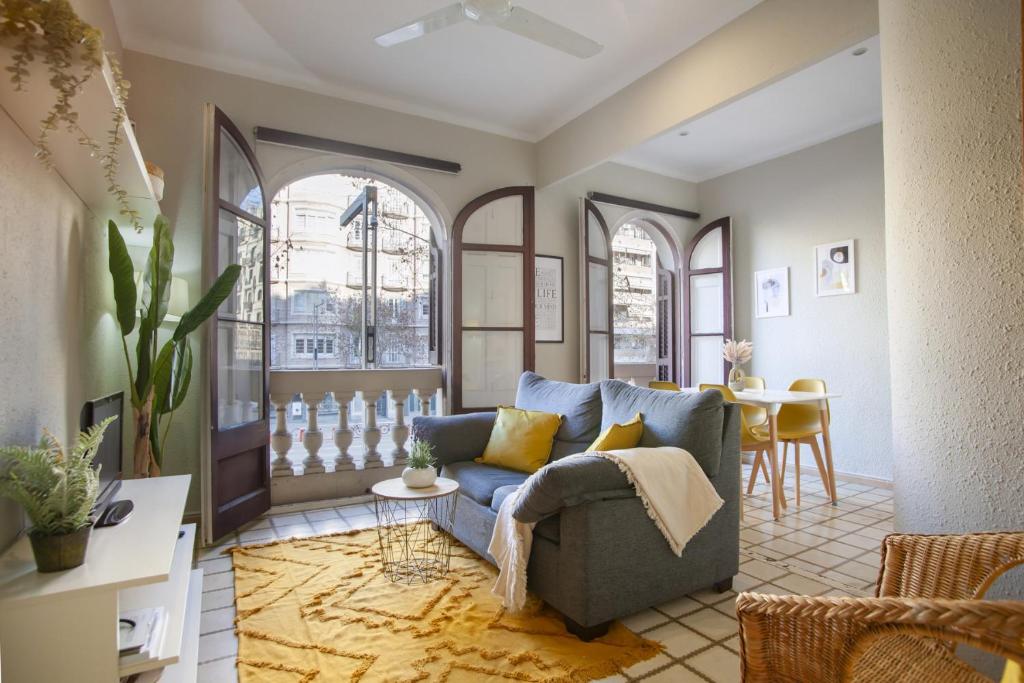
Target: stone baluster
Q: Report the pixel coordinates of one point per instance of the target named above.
(424, 396)
(343, 435)
(313, 438)
(371, 433)
(281, 438)
(399, 430)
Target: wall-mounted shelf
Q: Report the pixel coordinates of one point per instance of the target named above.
(95, 105)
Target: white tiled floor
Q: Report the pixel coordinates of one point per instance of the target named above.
(816, 549)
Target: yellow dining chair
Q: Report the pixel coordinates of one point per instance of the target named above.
(756, 416)
(800, 423)
(666, 386)
(750, 441)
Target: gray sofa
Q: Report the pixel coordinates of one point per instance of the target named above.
(596, 554)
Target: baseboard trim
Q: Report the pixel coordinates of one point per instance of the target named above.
(849, 477)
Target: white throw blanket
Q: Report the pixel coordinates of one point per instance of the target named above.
(676, 493)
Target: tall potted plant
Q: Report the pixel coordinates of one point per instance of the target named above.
(57, 491)
(161, 373)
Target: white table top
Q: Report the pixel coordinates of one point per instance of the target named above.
(397, 490)
(772, 396)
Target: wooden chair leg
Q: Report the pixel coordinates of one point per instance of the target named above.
(764, 468)
(796, 472)
(813, 442)
(758, 461)
(782, 472)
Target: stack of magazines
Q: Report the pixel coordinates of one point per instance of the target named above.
(140, 634)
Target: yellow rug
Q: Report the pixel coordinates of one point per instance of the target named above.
(319, 609)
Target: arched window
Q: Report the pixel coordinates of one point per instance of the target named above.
(634, 295)
(317, 279)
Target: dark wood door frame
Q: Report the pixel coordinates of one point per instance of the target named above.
(253, 437)
(526, 249)
(589, 208)
(726, 270)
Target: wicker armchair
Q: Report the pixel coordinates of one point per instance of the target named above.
(929, 598)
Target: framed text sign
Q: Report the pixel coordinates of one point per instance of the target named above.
(549, 283)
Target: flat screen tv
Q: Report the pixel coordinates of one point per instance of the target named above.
(108, 455)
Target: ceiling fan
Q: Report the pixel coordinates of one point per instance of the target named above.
(498, 13)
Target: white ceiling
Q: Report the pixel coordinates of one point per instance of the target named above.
(836, 96)
(478, 76)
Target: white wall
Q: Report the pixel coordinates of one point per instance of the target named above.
(780, 210)
(167, 103)
(58, 344)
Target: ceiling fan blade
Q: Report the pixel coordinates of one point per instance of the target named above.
(525, 23)
(435, 21)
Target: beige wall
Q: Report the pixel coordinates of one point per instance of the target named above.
(951, 95)
(58, 345)
(167, 104)
(770, 41)
(780, 210)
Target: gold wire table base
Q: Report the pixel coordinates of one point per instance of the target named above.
(411, 549)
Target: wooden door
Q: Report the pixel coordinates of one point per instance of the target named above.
(492, 299)
(707, 312)
(236, 481)
(666, 303)
(597, 359)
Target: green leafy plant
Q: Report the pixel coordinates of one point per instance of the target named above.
(51, 32)
(421, 456)
(161, 373)
(56, 489)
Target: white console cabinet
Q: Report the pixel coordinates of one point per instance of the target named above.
(62, 627)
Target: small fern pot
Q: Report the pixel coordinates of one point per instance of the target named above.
(419, 478)
(57, 553)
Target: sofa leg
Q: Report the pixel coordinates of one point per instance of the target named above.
(586, 633)
(723, 585)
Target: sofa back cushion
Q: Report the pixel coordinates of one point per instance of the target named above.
(578, 404)
(692, 421)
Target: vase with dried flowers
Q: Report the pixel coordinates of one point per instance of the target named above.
(737, 353)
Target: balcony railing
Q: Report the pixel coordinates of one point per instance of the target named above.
(348, 390)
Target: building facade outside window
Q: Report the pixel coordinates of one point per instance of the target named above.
(634, 292)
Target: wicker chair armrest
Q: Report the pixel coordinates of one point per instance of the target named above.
(789, 638)
(954, 567)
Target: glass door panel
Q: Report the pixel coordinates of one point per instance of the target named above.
(706, 314)
(239, 373)
(238, 183)
(492, 362)
(706, 360)
(707, 253)
(599, 358)
(492, 289)
(498, 222)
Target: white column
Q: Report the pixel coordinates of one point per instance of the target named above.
(314, 438)
(281, 438)
(399, 430)
(343, 435)
(371, 433)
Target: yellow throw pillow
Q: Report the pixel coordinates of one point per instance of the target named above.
(620, 436)
(521, 439)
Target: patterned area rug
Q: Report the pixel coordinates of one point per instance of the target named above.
(319, 609)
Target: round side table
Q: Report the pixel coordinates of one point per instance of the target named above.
(411, 550)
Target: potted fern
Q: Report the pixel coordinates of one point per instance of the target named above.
(58, 491)
(419, 472)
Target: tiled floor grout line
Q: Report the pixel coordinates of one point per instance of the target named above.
(860, 508)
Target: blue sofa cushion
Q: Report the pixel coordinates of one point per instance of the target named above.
(500, 494)
(579, 404)
(478, 481)
(692, 421)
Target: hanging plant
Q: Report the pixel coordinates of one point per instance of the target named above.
(49, 31)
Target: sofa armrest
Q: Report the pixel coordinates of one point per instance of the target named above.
(570, 481)
(455, 438)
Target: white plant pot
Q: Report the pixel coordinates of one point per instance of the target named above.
(419, 479)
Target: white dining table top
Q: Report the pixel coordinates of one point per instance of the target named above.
(778, 396)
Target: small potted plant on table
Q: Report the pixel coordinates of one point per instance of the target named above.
(58, 491)
(419, 472)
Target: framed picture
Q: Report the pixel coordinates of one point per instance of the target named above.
(771, 292)
(835, 269)
(549, 281)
